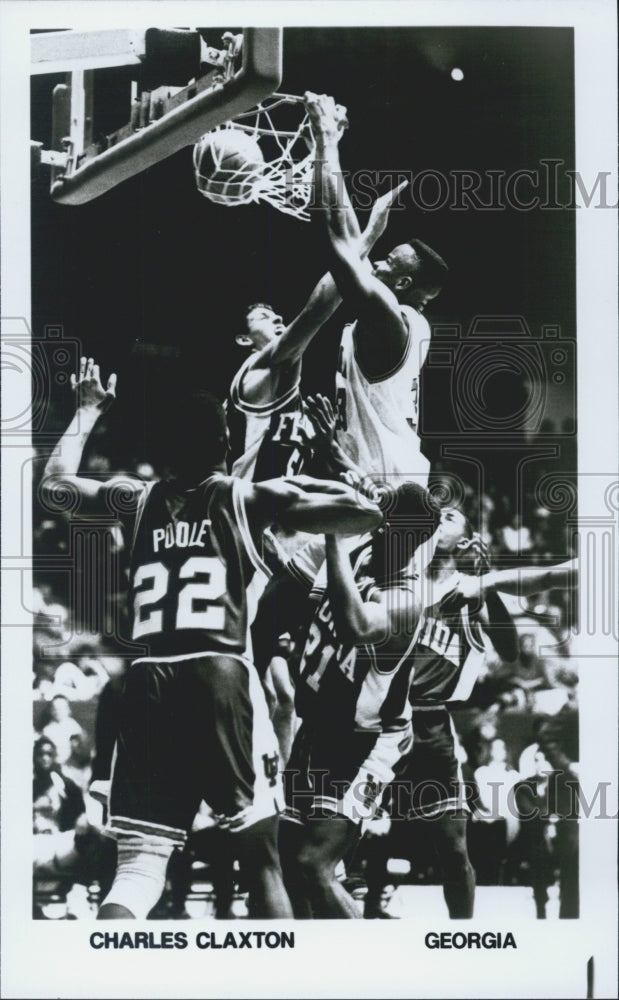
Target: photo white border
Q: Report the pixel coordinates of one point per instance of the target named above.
(48, 959)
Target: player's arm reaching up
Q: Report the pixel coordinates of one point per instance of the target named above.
(286, 351)
(357, 620)
(330, 459)
(61, 471)
(382, 328)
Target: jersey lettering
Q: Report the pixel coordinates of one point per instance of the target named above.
(288, 428)
(441, 639)
(196, 605)
(316, 642)
(341, 424)
(156, 575)
(181, 534)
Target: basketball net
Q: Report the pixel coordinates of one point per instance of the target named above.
(284, 180)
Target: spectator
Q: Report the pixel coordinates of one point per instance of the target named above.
(495, 824)
(515, 537)
(57, 800)
(66, 848)
(529, 671)
(533, 848)
(77, 767)
(44, 685)
(62, 727)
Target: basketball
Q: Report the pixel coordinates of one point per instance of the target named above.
(227, 164)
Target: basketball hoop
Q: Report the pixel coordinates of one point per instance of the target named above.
(283, 178)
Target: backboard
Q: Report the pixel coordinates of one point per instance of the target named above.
(181, 87)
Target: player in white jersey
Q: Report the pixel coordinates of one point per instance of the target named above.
(193, 722)
(382, 352)
(457, 600)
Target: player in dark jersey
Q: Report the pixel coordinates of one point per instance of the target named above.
(352, 696)
(448, 658)
(194, 723)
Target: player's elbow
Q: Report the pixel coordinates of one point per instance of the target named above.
(58, 493)
(359, 630)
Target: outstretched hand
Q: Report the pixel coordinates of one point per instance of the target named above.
(379, 215)
(321, 414)
(88, 389)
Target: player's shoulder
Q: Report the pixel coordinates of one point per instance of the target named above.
(416, 322)
(255, 392)
(124, 492)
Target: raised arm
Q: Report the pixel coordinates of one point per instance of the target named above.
(325, 298)
(305, 504)
(378, 310)
(329, 456)
(355, 620)
(61, 470)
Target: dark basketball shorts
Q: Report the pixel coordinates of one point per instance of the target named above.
(331, 773)
(192, 728)
(429, 779)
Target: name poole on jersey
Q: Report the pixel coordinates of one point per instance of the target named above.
(182, 534)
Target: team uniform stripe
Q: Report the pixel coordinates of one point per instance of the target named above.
(450, 804)
(139, 511)
(118, 825)
(190, 656)
(258, 409)
(475, 641)
(243, 525)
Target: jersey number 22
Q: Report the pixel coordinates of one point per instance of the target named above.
(209, 589)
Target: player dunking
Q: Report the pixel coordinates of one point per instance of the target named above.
(194, 723)
(265, 407)
(382, 352)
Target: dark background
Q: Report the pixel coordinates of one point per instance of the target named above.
(153, 262)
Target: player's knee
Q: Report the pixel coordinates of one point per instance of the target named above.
(139, 879)
(313, 866)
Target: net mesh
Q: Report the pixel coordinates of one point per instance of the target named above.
(280, 125)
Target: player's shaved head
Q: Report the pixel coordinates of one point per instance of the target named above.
(194, 439)
(412, 516)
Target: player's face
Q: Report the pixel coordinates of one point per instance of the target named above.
(263, 326)
(398, 271)
(452, 530)
(400, 264)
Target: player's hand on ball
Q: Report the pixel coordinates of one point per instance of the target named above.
(328, 119)
(88, 389)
